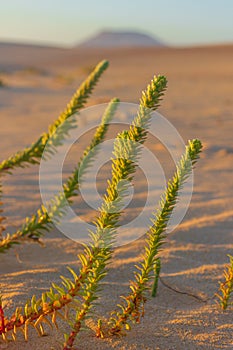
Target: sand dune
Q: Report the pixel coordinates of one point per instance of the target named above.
(39, 82)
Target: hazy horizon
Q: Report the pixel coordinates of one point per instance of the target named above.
(174, 22)
(45, 43)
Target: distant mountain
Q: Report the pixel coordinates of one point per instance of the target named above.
(111, 39)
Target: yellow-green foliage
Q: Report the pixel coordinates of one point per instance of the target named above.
(226, 287)
(80, 291)
(33, 154)
(41, 221)
(132, 309)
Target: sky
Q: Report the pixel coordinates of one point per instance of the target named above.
(68, 22)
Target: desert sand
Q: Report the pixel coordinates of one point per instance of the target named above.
(39, 83)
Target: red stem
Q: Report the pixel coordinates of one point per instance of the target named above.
(2, 319)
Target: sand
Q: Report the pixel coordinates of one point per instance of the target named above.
(199, 104)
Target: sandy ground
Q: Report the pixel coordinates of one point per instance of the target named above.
(39, 82)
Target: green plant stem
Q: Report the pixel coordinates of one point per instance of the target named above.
(156, 279)
(42, 221)
(2, 218)
(33, 154)
(126, 151)
(226, 287)
(133, 307)
(50, 303)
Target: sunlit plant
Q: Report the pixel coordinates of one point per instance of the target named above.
(226, 287)
(74, 299)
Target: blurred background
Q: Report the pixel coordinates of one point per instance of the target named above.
(70, 22)
(47, 49)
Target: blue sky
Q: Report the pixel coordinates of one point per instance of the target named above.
(66, 22)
